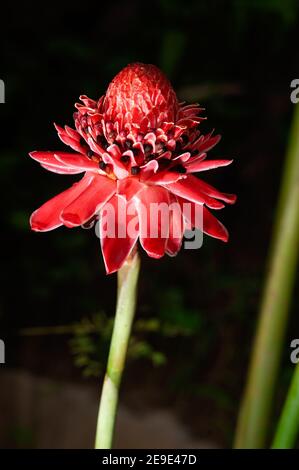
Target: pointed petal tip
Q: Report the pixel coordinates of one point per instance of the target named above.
(223, 236)
(33, 224)
(113, 265)
(154, 255)
(111, 270)
(231, 198)
(35, 228)
(228, 162)
(171, 254)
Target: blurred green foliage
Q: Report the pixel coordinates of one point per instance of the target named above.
(91, 339)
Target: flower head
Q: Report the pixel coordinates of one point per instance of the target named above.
(137, 146)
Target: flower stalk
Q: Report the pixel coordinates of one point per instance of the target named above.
(288, 424)
(125, 310)
(256, 407)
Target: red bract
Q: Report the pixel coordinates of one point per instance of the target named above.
(138, 143)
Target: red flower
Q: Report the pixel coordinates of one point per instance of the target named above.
(136, 144)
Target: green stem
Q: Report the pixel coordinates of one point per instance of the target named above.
(263, 371)
(126, 302)
(288, 425)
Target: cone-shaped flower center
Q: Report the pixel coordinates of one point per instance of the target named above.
(140, 91)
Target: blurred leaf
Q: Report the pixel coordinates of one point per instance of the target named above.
(151, 324)
(158, 358)
(143, 350)
(91, 336)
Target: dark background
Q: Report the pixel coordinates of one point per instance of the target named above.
(196, 312)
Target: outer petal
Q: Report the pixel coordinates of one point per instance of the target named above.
(152, 205)
(72, 133)
(166, 177)
(193, 167)
(117, 247)
(205, 143)
(73, 142)
(76, 161)
(213, 192)
(47, 217)
(191, 189)
(89, 202)
(64, 162)
(61, 171)
(176, 227)
(211, 225)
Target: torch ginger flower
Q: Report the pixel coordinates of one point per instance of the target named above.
(137, 143)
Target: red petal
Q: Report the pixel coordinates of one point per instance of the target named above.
(207, 142)
(66, 139)
(199, 158)
(76, 161)
(183, 157)
(119, 168)
(166, 177)
(72, 133)
(117, 247)
(176, 227)
(130, 154)
(64, 162)
(154, 231)
(193, 167)
(129, 187)
(61, 171)
(191, 189)
(211, 225)
(149, 169)
(89, 202)
(47, 217)
(213, 192)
